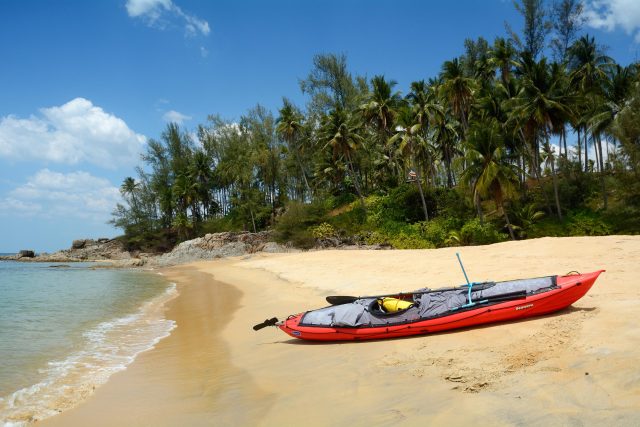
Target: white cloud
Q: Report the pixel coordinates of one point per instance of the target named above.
(75, 132)
(151, 9)
(609, 15)
(157, 13)
(173, 116)
(204, 52)
(52, 194)
(20, 207)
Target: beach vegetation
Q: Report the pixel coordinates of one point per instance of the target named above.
(534, 134)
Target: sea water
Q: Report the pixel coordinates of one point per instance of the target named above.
(64, 329)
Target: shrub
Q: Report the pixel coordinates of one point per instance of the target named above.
(437, 230)
(295, 223)
(323, 231)
(475, 233)
(402, 204)
(159, 241)
(218, 225)
(350, 221)
(399, 235)
(585, 223)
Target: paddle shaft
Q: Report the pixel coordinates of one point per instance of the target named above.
(339, 300)
(345, 299)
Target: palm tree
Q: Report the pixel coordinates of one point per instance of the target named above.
(425, 109)
(289, 128)
(410, 138)
(457, 90)
(536, 108)
(601, 118)
(423, 104)
(129, 187)
(380, 112)
(502, 57)
(445, 137)
(201, 177)
(588, 67)
(488, 172)
(340, 131)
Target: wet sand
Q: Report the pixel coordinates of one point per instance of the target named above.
(575, 367)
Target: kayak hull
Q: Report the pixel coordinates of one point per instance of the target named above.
(569, 290)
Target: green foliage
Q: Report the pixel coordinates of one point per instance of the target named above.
(576, 223)
(219, 225)
(295, 224)
(585, 223)
(438, 230)
(351, 221)
(160, 241)
(402, 204)
(624, 219)
(323, 231)
(399, 237)
(523, 217)
(473, 232)
(475, 137)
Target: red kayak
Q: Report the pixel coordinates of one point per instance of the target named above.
(428, 311)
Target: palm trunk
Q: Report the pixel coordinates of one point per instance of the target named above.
(602, 181)
(506, 218)
(586, 151)
(476, 197)
(579, 147)
(355, 181)
(304, 175)
(553, 178)
(424, 203)
(253, 221)
(536, 172)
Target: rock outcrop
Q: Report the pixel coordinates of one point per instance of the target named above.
(210, 246)
(221, 245)
(81, 250)
(89, 250)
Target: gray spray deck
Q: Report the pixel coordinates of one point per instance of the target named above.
(364, 312)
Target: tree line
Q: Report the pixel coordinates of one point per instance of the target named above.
(504, 125)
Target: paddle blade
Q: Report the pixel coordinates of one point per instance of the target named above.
(268, 322)
(340, 299)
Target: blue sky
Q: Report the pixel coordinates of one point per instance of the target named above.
(83, 84)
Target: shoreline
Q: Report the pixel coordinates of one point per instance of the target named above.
(575, 366)
(121, 316)
(194, 359)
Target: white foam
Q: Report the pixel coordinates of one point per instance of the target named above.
(108, 348)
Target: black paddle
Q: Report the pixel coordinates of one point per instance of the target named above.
(344, 299)
(268, 322)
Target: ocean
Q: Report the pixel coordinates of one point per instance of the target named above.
(65, 329)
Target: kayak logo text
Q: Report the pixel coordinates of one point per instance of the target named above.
(523, 307)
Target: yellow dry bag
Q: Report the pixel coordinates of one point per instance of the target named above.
(393, 305)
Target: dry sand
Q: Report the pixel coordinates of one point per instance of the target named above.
(577, 367)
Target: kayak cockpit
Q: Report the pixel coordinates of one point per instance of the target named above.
(417, 306)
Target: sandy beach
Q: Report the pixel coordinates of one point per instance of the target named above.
(576, 367)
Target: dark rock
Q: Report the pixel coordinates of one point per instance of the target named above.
(79, 244)
(26, 254)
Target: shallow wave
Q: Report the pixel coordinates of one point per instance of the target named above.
(107, 348)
